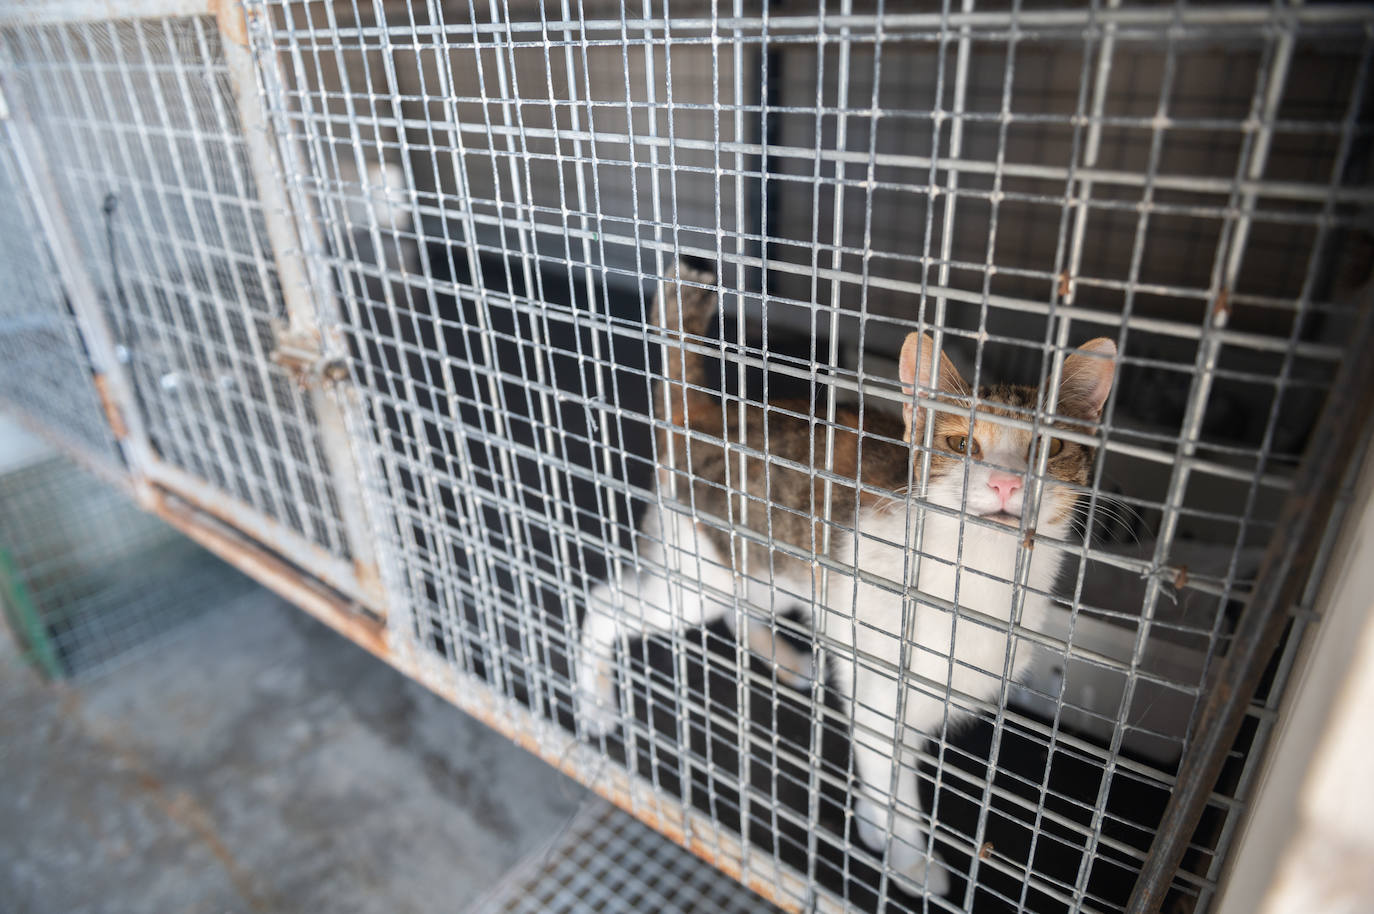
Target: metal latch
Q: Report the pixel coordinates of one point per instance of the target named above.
(298, 350)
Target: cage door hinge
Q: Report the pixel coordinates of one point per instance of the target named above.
(113, 416)
(300, 352)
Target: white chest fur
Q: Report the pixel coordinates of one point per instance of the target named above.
(964, 637)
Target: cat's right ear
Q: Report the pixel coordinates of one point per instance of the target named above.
(913, 368)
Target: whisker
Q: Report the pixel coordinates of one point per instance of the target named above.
(898, 497)
(1117, 512)
(1104, 501)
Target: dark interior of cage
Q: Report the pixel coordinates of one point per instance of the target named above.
(508, 367)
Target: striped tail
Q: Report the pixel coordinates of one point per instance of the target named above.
(683, 307)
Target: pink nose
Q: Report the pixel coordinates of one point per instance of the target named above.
(1005, 485)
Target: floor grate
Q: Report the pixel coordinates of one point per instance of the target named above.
(608, 862)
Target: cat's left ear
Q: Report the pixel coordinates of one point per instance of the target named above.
(1087, 379)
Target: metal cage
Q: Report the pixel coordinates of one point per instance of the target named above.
(365, 298)
(67, 541)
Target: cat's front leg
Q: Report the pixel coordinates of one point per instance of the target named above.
(887, 807)
(602, 627)
(652, 602)
(684, 582)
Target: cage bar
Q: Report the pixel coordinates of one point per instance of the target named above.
(49, 377)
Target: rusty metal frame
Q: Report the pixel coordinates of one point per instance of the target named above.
(267, 568)
(1292, 557)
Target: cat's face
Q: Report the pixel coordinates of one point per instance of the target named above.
(986, 473)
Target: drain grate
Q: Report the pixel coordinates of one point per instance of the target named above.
(608, 862)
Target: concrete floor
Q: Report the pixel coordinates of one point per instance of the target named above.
(257, 763)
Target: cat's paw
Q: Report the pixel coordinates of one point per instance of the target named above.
(866, 818)
(906, 857)
(927, 872)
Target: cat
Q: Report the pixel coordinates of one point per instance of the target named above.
(686, 576)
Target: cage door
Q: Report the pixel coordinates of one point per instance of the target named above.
(144, 140)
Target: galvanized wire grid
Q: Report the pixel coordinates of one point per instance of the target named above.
(140, 133)
(45, 372)
(496, 191)
(87, 580)
(605, 861)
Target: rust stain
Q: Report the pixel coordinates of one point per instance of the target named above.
(1064, 285)
(1221, 308)
(176, 804)
(1028, 542)
(370, 582)
(236, 517)
(69, 704)
(183, 809)
(286, 580)
(985, 851)
(1181, 577)
(231, 19)
(112, 414)
(215, 504)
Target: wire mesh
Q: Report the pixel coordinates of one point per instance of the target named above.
(499, 190)
(606, 861)
(44, 369)
(87, 580)
(138, 126)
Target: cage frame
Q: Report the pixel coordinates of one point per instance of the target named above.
(358, 596)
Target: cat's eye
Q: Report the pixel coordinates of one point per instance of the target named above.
(964, 445)
(1056, 445)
